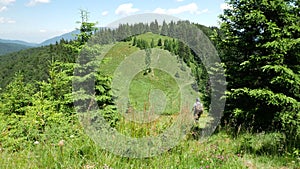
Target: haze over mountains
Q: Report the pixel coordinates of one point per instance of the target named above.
(8, 46)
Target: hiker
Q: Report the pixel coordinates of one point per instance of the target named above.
(198, 109)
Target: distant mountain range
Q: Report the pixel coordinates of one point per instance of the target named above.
(66, 36)
(12, 47)
(8, 46)
(19, 42)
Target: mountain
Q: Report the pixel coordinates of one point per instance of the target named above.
(9, 46)
(18, 42)
(67, 36)
(12, 47)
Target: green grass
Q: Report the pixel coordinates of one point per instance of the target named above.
(115, 56)
(121, 50)
(142, 85)
(149, 36)
(219, 151)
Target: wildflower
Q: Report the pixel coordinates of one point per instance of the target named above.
(72, 136)
(61, 143)
(106, 166)
(89, 166)
(36, 143)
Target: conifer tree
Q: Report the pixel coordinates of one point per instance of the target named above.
(260, 48)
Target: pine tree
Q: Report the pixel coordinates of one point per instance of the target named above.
(260, 48)
(134, 43)
(154, 27)
(159, 43)
(164, 29)
(152, 43)
(86, 29)
(16, 96)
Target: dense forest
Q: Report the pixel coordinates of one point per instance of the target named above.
(11, 47)
(258, 45)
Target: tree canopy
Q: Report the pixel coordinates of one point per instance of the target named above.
(260, 47)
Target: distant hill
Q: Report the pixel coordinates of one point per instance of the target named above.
(67, 36)
(6, 48)
(19, 42)
(9, 46)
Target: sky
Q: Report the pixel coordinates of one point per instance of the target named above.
(38, 20)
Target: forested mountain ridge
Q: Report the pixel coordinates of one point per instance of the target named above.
(33, 63)
(18, 42)
(11, 47)
(67, 37)
(8, 46)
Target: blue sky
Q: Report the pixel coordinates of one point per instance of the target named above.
(38, 20)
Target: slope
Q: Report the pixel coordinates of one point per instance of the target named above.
(11, 47)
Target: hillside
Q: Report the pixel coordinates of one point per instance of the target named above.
(18, 42)
(11, 47)
(67, 36)
(36, 59)
(32, 63)
(132, 109)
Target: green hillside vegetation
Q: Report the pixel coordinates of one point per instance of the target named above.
(11, 47)
(33, 63)
(42, 124)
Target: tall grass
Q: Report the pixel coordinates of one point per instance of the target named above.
(221, 150)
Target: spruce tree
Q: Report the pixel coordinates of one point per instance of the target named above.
(260, 48)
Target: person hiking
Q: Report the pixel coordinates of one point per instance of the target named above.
(198, 109)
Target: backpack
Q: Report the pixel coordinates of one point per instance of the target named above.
(199, 107)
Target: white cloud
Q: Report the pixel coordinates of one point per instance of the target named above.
(2, 20)
(34, 2)
(3, 8)
(43, 31)
(6, 20)
(11, 21)
(6, 2)
(224, 6)
(191, 8)
(179, 0)
(126, 9)
(160, 11)
(104, 13)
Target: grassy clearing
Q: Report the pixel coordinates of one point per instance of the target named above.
(149, 36)
(115, 56)
(142, 85)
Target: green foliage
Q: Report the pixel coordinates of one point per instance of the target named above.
(260, 48)
(104, 98)
(159, 43)
(16, 96)
(6, 48)
(87, 29)
(154, 27)
(263, 143)
(33, 63)
(37, 114)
